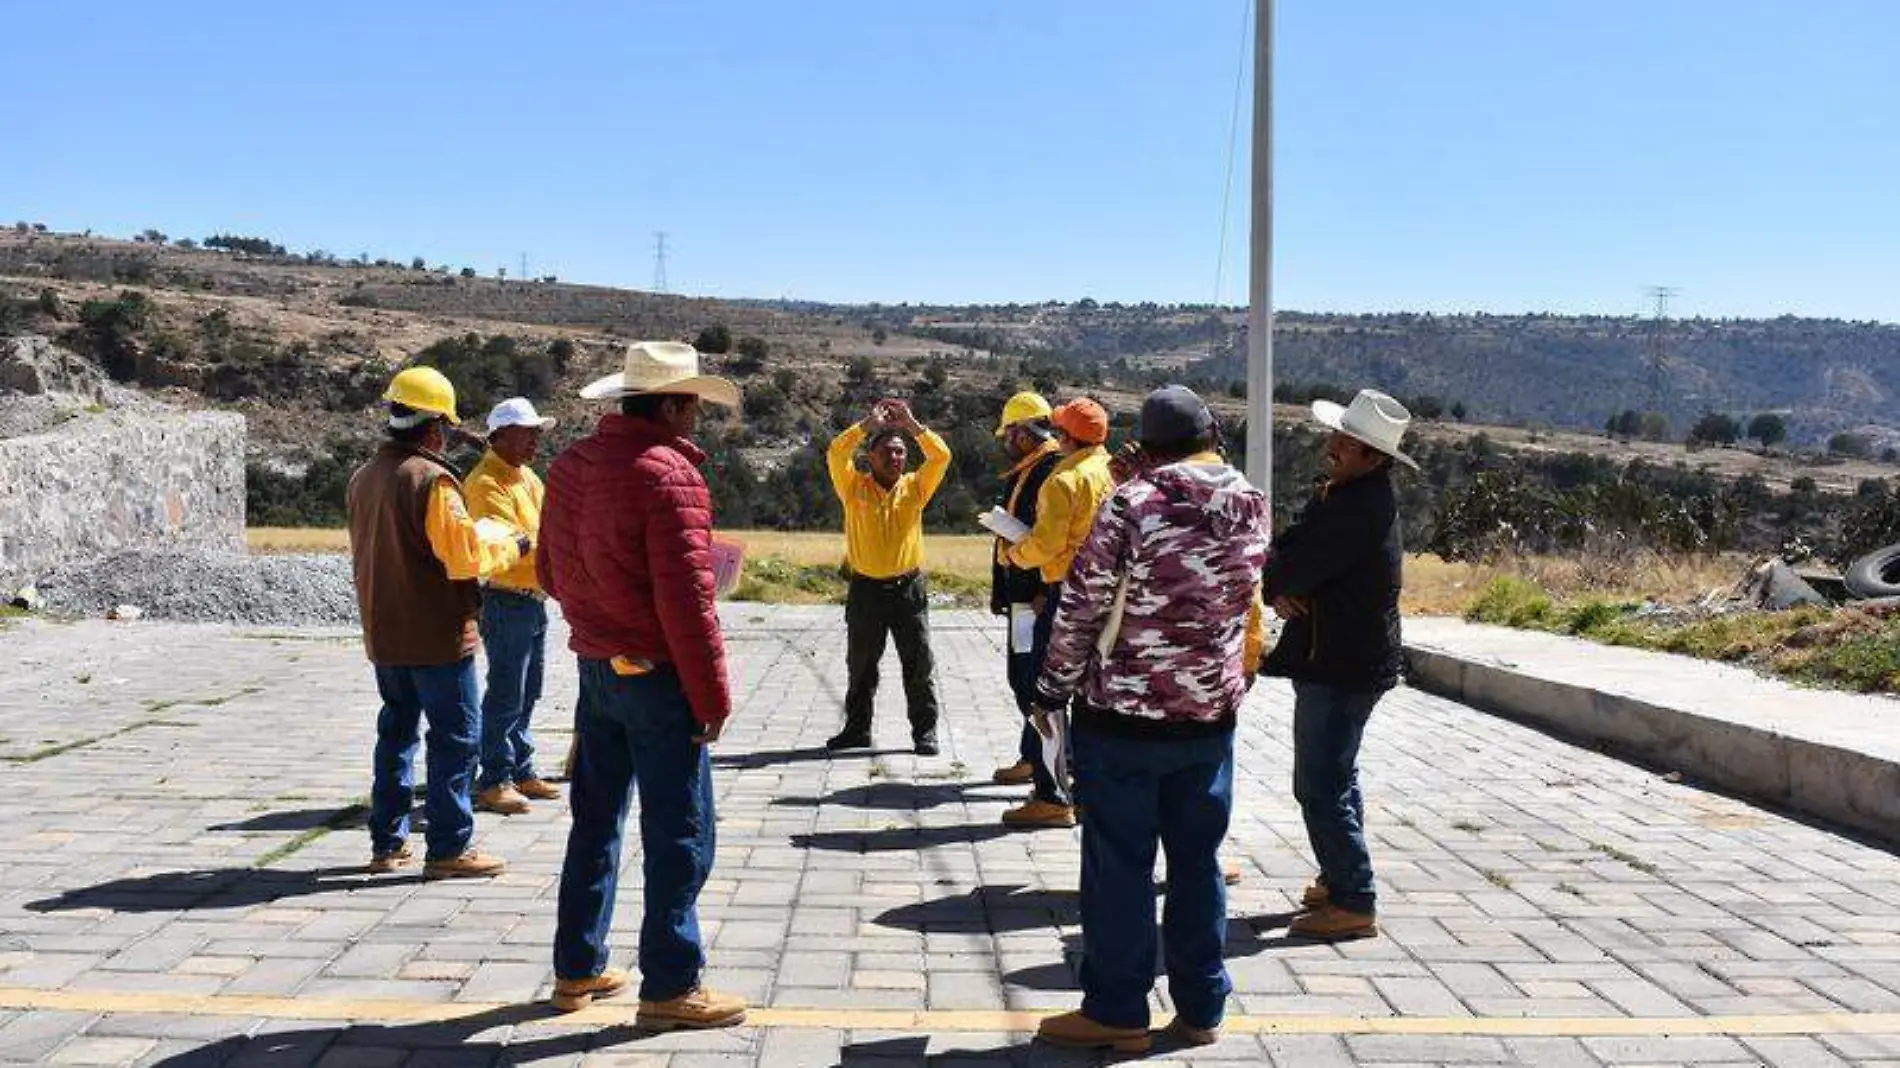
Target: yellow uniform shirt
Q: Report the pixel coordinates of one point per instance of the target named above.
(508, 494)
(884, 529)
(1065, 513)
(453, 538)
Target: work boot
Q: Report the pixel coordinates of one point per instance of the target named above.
(1330, 923)
(386, 862)
(1230, 873)
(1021, 773)
(1072, 1030)
(469, 865)
(1316, 894)
(1192, 1035)
(1034, 813)
(848, 740)
(926, 744)
(502, 798)
(573, 995)
(538, 790)
(696, 1009)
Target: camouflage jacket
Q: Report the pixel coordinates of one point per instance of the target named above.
(1191, 539)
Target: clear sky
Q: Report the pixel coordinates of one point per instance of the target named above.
(1498, 155)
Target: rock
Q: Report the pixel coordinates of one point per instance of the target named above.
(28, 598)
(1773, 585)
(126, 612)
(33, 365)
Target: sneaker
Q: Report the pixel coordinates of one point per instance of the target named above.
(1072, 1030)
(848, 740)
(1191, 1035)
(926, 745)
(696, 1009)
(1315, 894)
(1021, 773)
(470, 865)
(573, 995)
(386, 862)
(1034, 813)
(1330, 923)
(502, 798)
(538, 790)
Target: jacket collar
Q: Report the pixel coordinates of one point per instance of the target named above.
(644, 433)
(1080, 456)
(497, 468)
(404, 450)
(1046, 449)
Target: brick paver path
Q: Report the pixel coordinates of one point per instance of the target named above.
(179, 885)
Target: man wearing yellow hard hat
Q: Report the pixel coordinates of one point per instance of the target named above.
(1016, 592)
(417, 558)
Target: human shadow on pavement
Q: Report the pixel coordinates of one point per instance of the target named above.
(988, 908)
(216, 888)
(771, 758)
(349, 817)
(1243, 940)
(896, 839)
(934, 1049)
(895, 796)
(392, 1043)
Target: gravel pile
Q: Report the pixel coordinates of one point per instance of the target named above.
(199, 586)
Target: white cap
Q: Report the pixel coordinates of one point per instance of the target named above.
(516, 411)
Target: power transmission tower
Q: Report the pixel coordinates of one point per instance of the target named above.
(524, 267)
(659, 261)
(1658, 343)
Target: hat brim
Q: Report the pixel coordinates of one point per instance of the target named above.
(1332, 415)
(543, 423)
(709, 388)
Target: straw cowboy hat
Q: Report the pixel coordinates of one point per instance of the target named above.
(1373, 418)
(663, 367)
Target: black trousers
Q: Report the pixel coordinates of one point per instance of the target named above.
(877, 609)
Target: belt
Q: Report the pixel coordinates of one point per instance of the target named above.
(894, 580)
(530, 595)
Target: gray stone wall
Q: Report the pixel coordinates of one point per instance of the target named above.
(99, 484)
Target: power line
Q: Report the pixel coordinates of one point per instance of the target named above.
(1658, 343)
(659, 261)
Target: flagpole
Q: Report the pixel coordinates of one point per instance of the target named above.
(1260, 277)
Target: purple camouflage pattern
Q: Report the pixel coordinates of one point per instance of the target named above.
(1193, 539)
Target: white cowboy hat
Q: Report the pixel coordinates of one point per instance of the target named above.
(663, 367)
(517, 411)
(1373, 418)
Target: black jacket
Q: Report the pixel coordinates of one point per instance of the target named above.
(1342, 556)
(1016, 585)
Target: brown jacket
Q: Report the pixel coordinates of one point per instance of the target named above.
(413, 614)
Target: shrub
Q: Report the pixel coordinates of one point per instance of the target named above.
(715, 339)
(1512, 602)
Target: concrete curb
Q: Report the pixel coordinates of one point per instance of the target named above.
(1854, 789)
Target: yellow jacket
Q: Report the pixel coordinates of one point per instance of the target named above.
(508, 494)
(455, 542)
(1065, 511)
(884, 529)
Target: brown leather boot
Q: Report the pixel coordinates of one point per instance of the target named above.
(1315, 894)
(384, 863)
(501, 798)
(1072, 1030)
(1033, 813)
(573, 995)
(697, 1009)
(538, 790)
(1018, 774)
(1330, 923)
(470, 865)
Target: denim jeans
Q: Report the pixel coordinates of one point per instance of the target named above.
(1328, 724)
(447, 694)
(515, 633)
(636, 730)
(897, 609)
(1025, 667)
(1180, 793)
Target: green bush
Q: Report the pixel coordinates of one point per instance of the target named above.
(1512, 602)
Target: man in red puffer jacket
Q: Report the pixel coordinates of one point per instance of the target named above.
(626, 548)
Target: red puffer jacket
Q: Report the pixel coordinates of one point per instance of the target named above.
(626, 547)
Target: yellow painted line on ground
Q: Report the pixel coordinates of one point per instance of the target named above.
(481, 1015)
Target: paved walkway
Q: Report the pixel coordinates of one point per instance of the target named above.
(179, 885)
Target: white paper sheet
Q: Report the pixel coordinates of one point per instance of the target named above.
(1022, 628)
(1003, 525)
(488, 528)
(1055, 753)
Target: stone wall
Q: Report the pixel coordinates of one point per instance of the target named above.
(99, 484)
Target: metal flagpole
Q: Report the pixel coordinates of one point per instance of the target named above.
(1260, 289)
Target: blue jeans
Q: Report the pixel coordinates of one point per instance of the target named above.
(1025, 667)
(447, 694)
(1328, 724)
(636, 730)
(515, 633)
(1180, 793)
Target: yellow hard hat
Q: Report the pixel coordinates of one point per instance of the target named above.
(426, 390)
(1024, 405)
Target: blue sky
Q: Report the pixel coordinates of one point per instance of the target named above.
(1498, 155)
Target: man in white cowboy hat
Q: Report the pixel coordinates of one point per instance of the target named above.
(1334, 576)
(514, 621)
(626, 548)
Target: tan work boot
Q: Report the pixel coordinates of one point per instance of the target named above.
(573, 995)
(502, 798)
(1192, 1035)
(1072, 1030)
(1017, 774)
(384, 863)
(1034, 813)
(538, 790)
(1330, 923)
(1230, 873)
(1315, 894)
(469, 865)
(696, 1009)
